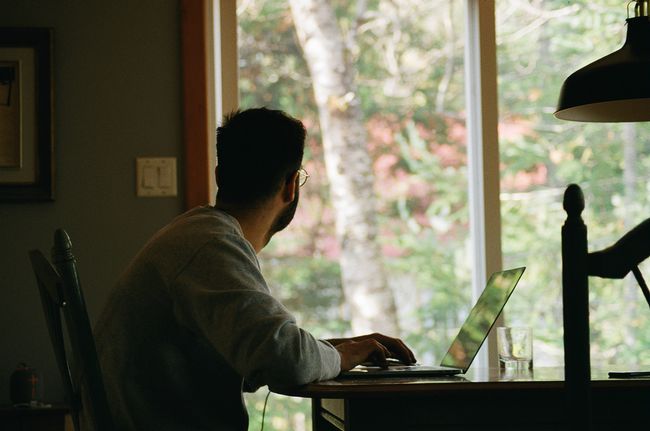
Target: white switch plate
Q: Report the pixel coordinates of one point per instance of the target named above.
(155, 176)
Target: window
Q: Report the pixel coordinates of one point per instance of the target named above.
(389, 82)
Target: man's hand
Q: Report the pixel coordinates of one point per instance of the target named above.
(372, 347)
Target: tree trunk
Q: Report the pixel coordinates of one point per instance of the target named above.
(450, 42)
(349, 169)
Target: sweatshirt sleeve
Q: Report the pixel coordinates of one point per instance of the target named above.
(222, 294)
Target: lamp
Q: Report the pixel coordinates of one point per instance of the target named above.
(615, 88)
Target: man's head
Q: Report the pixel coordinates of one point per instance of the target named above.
(257, 151)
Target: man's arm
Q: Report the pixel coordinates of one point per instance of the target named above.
(620, 258)
(223, 297)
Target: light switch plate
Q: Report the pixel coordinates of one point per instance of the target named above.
(156, 176)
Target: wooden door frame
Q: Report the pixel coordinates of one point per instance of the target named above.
(209, 88)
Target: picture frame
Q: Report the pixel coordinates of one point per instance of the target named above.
(26, 115)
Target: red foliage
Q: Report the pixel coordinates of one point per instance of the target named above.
(328, 246)
(523, 180)
(381, 132)
(456, 131)
(449, 155)
(514, 128)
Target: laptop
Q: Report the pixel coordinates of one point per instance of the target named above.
(469, 340)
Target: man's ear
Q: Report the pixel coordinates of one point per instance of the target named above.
(289, 188)
(216, 174)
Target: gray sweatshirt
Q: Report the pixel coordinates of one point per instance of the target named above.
(191, 319)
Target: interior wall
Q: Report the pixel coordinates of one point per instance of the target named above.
(117, 96)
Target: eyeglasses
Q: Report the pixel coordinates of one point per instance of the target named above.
(303, 176)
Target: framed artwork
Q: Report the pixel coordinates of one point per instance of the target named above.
(26, 109)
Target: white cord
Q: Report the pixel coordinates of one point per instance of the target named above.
(264, 409)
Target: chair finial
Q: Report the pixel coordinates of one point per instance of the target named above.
(574, 200)
(62, 248)
(62, 239)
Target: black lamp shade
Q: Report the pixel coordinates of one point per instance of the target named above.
(615, 88)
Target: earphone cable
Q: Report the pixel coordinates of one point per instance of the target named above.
(264, 409)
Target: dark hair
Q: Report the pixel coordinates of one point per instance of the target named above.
(257, 150)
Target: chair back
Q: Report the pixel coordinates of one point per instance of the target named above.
(61, 294)
(575, 308)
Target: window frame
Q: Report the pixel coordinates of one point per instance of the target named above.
(198, 105)
(483, 153)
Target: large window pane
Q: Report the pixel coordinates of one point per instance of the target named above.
(539, 44)
(401, 98)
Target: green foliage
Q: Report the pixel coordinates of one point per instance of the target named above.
(282, 413)
(311, 288)
(532, 67)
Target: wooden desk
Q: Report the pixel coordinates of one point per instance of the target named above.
(480, 400)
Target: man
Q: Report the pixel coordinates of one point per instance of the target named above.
(192, 322)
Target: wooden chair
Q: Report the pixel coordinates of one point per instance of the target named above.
(578, 264)
(61, 293)
(575, 308)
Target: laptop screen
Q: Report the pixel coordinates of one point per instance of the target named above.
(475, 330)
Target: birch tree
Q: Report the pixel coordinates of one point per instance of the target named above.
(349, 169)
